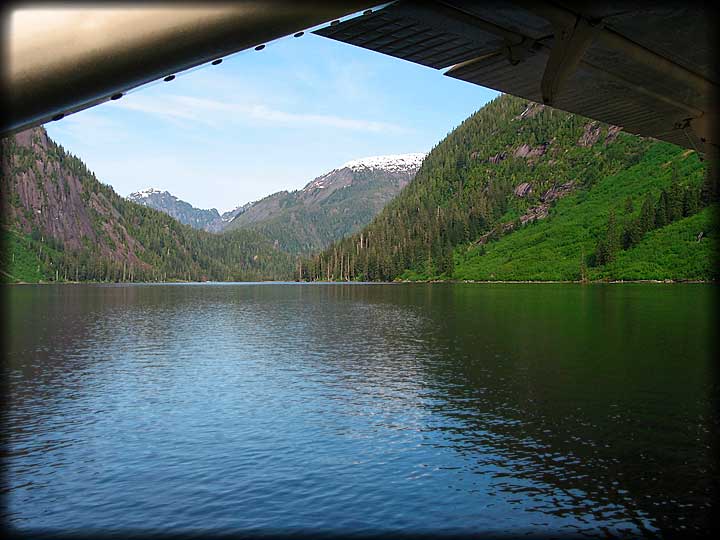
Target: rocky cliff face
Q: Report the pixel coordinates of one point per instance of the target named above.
(47, 194)
(332, 205)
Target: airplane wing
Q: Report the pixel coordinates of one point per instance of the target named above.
(647, 67)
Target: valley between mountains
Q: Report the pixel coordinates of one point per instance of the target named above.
(326, 209)
(518, 191)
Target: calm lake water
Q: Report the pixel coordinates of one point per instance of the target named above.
(474, 408)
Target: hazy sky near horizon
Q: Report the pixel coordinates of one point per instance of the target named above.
(265, 121)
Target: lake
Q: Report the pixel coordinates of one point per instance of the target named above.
(557, 409)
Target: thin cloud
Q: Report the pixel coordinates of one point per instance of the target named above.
(170, 109)
(212, 112)
(90, 126)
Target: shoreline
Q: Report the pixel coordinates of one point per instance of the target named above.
(396, 282)
(578, 282)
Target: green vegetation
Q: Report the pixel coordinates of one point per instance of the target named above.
(673, 252)
(525, 192)
(565, 245)
(518, 191)
(23, 259)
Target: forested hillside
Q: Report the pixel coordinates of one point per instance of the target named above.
(331, 206)
(522, 191)
(60, 223)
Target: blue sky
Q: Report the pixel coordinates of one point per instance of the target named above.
(264, 121)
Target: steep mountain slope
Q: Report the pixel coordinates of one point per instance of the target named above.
(333, 205)
(505, 169)
(79, 228)
(686, 249)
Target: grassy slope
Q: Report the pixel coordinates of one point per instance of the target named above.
(552, 249)
(672, 252)
(19, 259)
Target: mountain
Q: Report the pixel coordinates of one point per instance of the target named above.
(207, 220)
(520, 191)
(332, 206)
(60, 222)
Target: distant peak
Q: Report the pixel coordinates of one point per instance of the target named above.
(145, 192)
(393, 162)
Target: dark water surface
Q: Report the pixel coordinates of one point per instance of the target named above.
(543, 408)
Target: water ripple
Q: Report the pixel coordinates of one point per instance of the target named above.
(358, 408)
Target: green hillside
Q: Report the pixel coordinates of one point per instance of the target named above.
(520, 191)
(21, 259)
(673, 252)
(555, 248)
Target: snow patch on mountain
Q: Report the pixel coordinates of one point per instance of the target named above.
(393, 163)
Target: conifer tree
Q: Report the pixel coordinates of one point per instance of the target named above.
(647, 215)
(661, 210)
(632, 233)
(629, 206)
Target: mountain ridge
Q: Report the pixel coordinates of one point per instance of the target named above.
(332, 205)
(205, 219)
(518, 191)
(270, 207)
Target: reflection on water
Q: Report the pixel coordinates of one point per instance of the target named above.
(425, 408)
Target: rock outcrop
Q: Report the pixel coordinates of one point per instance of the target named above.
(532, 109)
(523, 190)
(184, 212)
(557, 192)
(534, 213)
(612, 134)
(528, 152)
(591, 134)
(45, 195)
